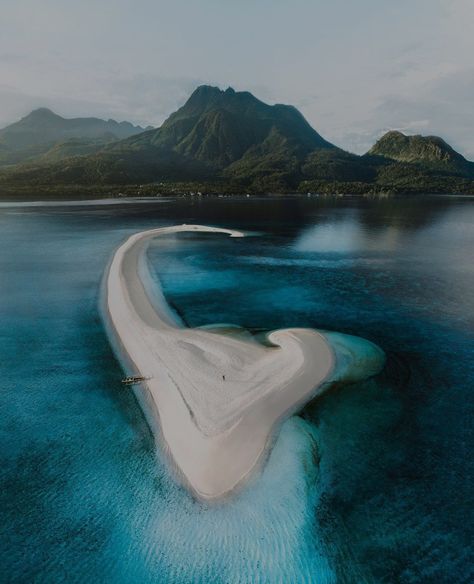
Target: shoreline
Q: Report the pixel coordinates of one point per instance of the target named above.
(213, 401)
(9, 202)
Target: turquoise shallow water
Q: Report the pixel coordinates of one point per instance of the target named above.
(372, 483)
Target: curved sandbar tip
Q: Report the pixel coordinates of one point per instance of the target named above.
(213, 399)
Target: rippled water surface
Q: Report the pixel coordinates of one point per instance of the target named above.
(371, 483)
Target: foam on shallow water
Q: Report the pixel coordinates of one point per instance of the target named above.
(264, 534)
(356, 358)
(268, 531)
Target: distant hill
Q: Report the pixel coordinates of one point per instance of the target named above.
(42, 130)
(431, 151)
(227, 140)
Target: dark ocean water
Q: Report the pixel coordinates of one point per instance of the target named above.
(371, 483)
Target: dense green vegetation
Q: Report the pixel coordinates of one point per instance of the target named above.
(227, 142)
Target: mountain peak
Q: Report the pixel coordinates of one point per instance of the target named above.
(211, 96)
(206, 89)
(211, 90)
(42, 113)
(205, 92)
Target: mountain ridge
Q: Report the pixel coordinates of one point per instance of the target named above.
(42, 129)
(227, 139)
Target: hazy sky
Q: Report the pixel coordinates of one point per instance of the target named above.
(353, 67)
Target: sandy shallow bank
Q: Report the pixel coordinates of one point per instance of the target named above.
(213, 399)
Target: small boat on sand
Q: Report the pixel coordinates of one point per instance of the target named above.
(132, 380)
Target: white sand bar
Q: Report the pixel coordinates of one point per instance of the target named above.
(216, 430)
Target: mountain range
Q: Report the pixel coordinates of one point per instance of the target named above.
(220, 140)
(46, 136)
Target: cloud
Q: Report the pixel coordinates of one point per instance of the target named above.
(441, 107)
(354, 72)
(149, 99)
(141, 99)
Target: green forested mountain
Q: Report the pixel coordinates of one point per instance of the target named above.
(42, 130)
(427, 150)
(232, 141)
(219, 134)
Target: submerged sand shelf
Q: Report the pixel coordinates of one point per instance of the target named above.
(214, 399)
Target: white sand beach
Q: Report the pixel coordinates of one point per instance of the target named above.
(213, 399)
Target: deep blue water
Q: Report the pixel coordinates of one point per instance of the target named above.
(371, 483)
